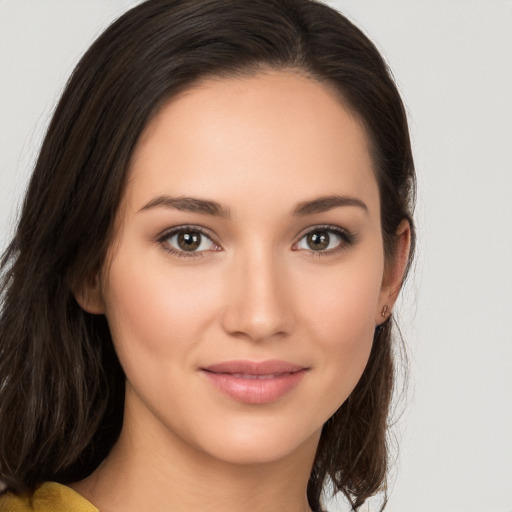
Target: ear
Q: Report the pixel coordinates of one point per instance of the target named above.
(394, 272)
(89, 295)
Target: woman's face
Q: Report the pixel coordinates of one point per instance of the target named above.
(247, 276)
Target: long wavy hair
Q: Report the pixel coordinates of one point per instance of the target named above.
(61, 384)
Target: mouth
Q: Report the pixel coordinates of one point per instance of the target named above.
(255, 382)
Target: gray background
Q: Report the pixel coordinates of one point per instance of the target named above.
(452, 60)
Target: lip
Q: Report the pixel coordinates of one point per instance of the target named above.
(255, 382)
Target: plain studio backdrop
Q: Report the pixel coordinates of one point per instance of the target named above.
(452, 60)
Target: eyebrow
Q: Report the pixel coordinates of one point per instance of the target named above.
(326, 203)
(188, 204)
(208, 207)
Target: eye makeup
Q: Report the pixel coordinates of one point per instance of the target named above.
(192, 241)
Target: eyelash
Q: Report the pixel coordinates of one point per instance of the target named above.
(347, 239)
(164, 238)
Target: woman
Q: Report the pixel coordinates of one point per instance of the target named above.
(197, 301)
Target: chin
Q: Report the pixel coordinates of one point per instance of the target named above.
(260, 445)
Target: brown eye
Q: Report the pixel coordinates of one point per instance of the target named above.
(318, 240)
(325, 240)
(185, 240)
(189, 240)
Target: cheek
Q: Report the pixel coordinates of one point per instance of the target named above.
(342, 303)
(340, 311)
(156, 311)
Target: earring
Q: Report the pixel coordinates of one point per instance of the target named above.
(384, 311)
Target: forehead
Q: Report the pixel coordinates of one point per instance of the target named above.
(270, 133)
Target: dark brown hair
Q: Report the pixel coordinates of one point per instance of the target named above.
(61, 385)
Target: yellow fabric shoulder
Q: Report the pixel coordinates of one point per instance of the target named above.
(50, 497)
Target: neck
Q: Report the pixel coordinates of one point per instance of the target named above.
(148, 471)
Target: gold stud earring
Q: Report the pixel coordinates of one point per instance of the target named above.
(384, 311)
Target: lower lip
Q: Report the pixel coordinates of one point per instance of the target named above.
(259, 390)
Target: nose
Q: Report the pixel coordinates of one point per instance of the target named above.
(258, 303)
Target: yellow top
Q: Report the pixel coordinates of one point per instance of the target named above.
(50, 497)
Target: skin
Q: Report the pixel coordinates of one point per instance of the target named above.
(260, 147)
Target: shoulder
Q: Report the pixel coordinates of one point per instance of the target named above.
(49, 497)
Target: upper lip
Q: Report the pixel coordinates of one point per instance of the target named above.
(269, 367)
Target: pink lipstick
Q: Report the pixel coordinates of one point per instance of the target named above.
(254, 382)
